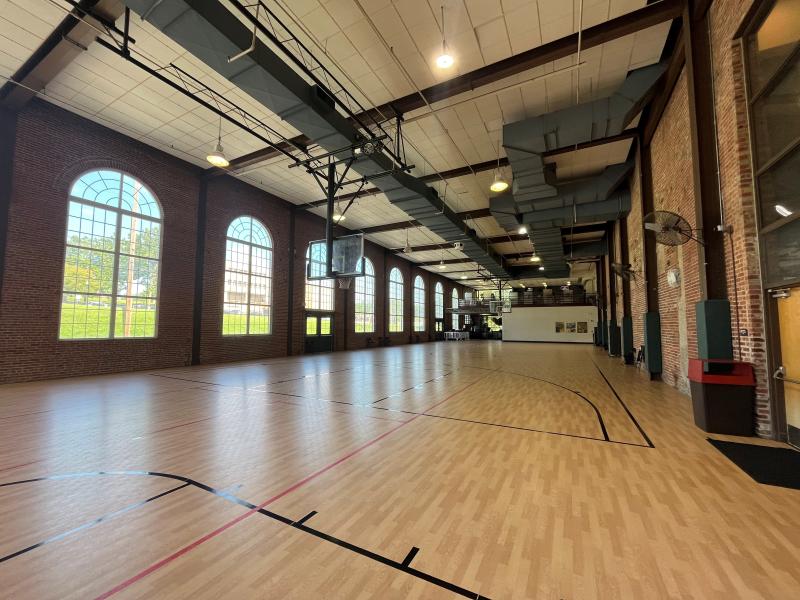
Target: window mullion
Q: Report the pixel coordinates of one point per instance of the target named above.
(115, 274)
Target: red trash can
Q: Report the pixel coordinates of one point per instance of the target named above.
(723, 395)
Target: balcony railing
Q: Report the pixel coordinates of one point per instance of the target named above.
(533, 297)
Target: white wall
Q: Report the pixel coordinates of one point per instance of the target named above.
(538, 323)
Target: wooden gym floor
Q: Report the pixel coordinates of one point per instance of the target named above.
(458, 469)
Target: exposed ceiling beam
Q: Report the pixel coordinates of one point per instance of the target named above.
(71, 37)
(451, 173)
(627, 24)
(478, 213)
(450, 261)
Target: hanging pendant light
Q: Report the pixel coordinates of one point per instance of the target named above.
(217, 157)
(499, 184)
(407, 249)
(445, 60)
(441, 265)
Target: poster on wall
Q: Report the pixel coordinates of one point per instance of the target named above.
(570, 327)
(559, 327)
(583, 327)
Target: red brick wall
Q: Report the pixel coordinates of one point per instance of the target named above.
(636, 257)
(227, 199)
(673, 190)
(53, 148)
(29, 308)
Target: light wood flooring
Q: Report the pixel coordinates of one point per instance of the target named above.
(514, 470)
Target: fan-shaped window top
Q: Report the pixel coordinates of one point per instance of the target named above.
(116, 190)
(251, 231)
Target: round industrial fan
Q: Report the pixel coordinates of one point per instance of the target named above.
(670, 228)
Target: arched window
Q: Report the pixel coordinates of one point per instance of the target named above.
(319, 292)
(365, 299)
(247, 308)
(419, 304)
(112, 259)
(395, 300)
(438, 305)
(455, 305)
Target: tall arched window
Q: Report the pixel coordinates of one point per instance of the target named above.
(438, 305)
(419, 304)
(455, 305)
(112, 259)
(365, 299)
(248, 279)
(395, 300)
(319, 292)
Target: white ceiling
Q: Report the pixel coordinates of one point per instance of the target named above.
(461, 130)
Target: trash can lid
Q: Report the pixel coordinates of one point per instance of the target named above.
(721, 372)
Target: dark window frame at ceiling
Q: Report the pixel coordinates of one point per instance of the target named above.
(765, 165)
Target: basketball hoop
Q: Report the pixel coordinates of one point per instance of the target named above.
(344, 282)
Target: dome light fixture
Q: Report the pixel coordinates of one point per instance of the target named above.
(445, 60)
(535, 258)
(522, 230)
(499, 184)
(541, 268)
(338, 217)
(463, 277)
(217, 157)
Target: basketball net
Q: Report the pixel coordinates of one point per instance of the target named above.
(344, 282)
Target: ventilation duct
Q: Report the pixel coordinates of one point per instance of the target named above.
(212, 33)
(526, 141)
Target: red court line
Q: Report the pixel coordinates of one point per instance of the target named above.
(189, 547)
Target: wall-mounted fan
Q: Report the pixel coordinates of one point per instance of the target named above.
(623, 271)
(670, 228)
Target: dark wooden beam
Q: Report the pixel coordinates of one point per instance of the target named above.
(610, 30)
(70, 38)
(628, 134)
(8, 138)
(199, 270)
(626, 24)
(649, 240)
(677, 59)
(450, 261)
(699, 76)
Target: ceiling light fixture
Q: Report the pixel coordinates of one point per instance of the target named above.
(445, 60)
(782, 210)
(541, 268)
(217, 157)
(407, 249)
(499, 184)
(535, 258)
(522, 230)
(338, 217)
(463, 277)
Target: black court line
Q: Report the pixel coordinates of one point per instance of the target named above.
(558, 385)
(410, 556)
(413, 387)
(306, 518)
(625, 406)
(486, 423)
(399, 566)
(192, 380)
(91, 524)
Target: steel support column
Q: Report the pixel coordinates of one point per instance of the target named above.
(8, 136)
(199, 269)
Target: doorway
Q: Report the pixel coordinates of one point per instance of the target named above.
(319, 332)
(788, 372)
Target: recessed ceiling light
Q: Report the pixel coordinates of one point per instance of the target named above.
(782, 210)
(463, 277)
